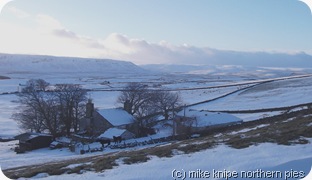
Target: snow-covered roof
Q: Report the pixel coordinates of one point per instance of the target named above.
(116, 117)
(205, 118)
(109, 133)
(30, 135)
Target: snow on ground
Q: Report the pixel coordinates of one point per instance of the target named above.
(103, 99)
(255, 116)
(8, 127)
(8, 105)
(49, 64)
(270, 156)
(9, 159)
(268, 95)
(267, 157)
(194, 96)
(10, 85)
(249, 129)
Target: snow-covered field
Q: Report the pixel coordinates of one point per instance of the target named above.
(266, 157)
(8, 127)
(255, 116)
(9, 159)
(268, 95)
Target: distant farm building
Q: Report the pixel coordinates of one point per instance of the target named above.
(197, 121)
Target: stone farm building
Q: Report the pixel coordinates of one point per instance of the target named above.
(198, 121)
(97, 121)
(30, 141)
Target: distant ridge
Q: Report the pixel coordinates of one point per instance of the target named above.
(16, 63)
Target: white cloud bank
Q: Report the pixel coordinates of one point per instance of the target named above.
(49, 37)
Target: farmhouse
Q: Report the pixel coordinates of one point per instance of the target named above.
(196, 121)
(98, 121)
(30, 141)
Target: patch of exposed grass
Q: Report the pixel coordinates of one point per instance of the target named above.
(105, 163)
(290, 132)
(30, 172)
(280, 132)
(163, 151)
(52, 170)
(77, 169)
(136, 158)
(191, 148)
(238, 142)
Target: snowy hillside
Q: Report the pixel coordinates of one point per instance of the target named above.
(252, 71)
(49, 64)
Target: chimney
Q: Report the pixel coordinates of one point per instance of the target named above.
(127, 106)
(89, 109)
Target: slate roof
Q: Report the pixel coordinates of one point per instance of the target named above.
(116, 117)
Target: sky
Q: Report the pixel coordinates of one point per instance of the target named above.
(153, 32)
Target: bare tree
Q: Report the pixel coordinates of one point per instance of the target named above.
(42, 84)
(144, 104)
(166, 101)
(146, 112)
(71, 100)
(133, 97)
(37, 110)
(36, 84)
(137, 101)
(58, 111)
(52, 122)
(29, 119)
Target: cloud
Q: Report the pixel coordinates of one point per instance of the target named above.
(118, 43)
(65, 33)
(18, 12)
(143, 52)
(50, 37)
(86, 41)
(46, 36)
(48, 22)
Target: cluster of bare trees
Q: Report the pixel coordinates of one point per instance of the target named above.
(145, 103)
(57, 111)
